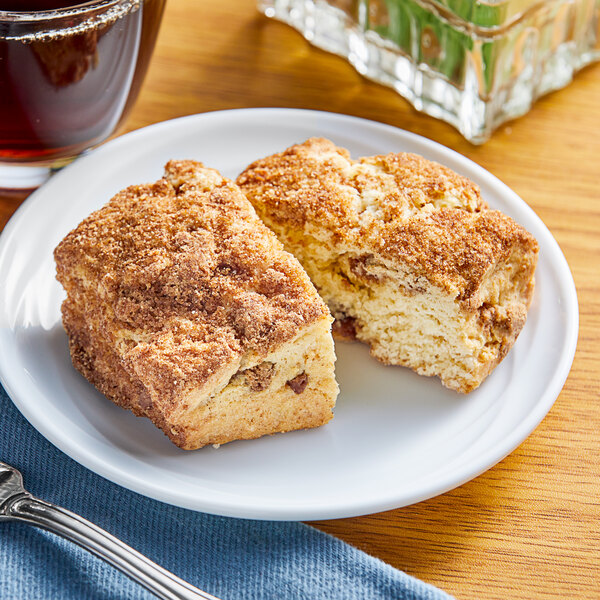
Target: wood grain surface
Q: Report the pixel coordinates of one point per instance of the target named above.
(530, 526)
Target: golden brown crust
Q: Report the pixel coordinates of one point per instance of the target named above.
(318, 182)
(178, 280)
(455, 249)
(400, 207)
(426, 182)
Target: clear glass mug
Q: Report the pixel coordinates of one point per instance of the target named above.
(69, 74)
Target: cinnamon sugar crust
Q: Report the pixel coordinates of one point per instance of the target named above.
(398, 247)
(175, 286)
(399, 206)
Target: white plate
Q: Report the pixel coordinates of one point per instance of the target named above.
(396, 438)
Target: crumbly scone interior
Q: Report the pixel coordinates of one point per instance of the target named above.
(292, 388)
(419, 325)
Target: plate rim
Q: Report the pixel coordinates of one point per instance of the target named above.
(277, 512)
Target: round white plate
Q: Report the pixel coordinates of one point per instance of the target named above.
(396, 438)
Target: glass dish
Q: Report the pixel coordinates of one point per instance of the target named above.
(472, 63)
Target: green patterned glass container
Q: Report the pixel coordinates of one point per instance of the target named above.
(472, 63)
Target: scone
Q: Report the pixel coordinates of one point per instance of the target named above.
(406, 254)
(183, 307)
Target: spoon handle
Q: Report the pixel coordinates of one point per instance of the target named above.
(58, 520)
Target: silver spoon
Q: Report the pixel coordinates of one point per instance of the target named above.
(18, 504)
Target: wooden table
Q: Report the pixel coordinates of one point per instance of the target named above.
(530, 526)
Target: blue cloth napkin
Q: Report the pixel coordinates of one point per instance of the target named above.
(230, 558)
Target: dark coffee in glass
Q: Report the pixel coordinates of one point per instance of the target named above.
(69, 73)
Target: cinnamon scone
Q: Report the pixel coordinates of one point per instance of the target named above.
(405, 252)
(183, 307)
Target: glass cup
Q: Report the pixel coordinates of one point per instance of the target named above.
(69, 74)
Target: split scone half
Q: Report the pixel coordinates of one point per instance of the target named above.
(406, 254)
(183, 307)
